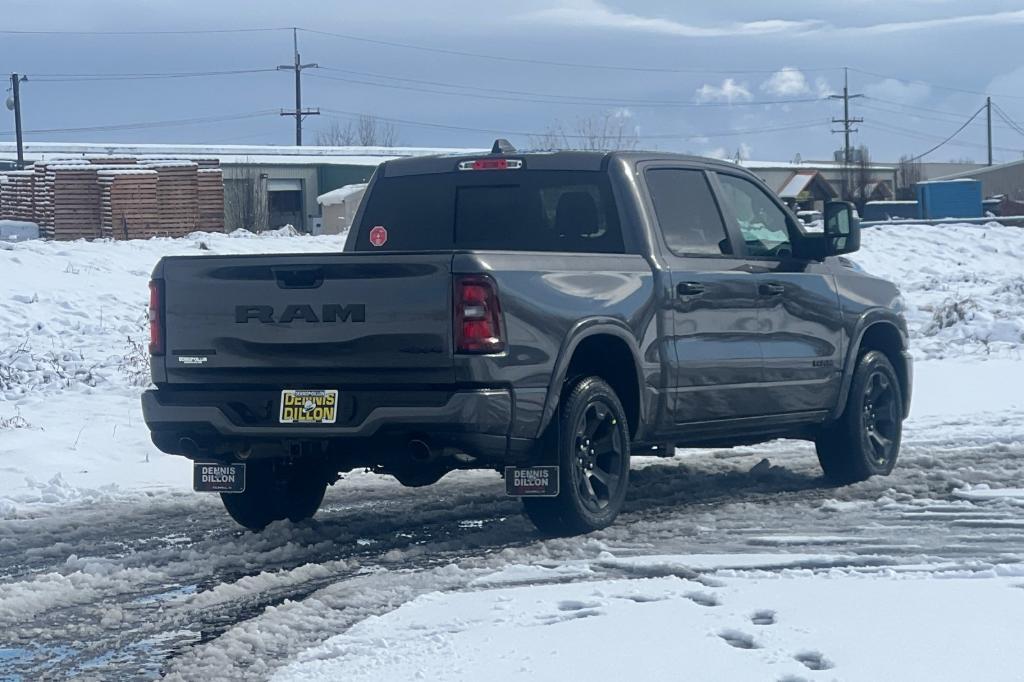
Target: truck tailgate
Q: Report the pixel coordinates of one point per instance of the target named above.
(308, 319)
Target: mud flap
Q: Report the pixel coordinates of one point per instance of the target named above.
(213, 477)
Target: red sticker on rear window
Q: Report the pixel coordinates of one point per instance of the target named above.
(379, 235)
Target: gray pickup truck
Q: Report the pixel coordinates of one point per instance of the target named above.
(543, 315)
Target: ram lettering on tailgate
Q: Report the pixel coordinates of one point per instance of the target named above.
(329, 312)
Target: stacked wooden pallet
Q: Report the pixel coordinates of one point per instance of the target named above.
(16, 195)
(129, 208)
(177, 196)
(43, 192)
(76, 201)
(42, 198)
(211, 199)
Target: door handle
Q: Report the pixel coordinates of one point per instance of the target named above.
(771, 289)
(689, 288)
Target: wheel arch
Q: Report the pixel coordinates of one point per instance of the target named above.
(604, 348)
(884, 333)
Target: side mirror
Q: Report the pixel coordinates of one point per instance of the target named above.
(842, 230)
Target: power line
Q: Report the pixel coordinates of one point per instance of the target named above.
(933, 85)
(917, 135)
(955, 133)
(201, 31)
(505, 131)
(77, 77)
(541, 98)
(145, 125)
(1013, 124)
(956, 116)
(474, 90)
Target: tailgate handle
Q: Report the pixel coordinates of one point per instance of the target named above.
(299, 278)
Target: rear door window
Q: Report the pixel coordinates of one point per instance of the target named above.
(513, 210)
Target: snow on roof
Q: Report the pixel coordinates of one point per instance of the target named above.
(889, 202)
(337, 196)
(940, 181)
(170, 163)
(126, 171)
(984, 170)
(796, 184)
(234, 154)
(807, 165)
(91, 166)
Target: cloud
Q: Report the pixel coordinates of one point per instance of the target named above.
(786, 82)
(821, 85)
(898, 91)
(992, 19)
(596, 14)
(728, 91)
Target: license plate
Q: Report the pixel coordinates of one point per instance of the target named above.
(218, 478)
(309, 406)
(531, 481)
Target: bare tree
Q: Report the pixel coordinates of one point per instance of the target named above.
(863, 178)
(336, 135)
(366, 131)
(611, 130)
(908, 174)
(245, 200)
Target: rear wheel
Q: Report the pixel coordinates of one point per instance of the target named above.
(275, 491)
(593, 459)
(865, 440)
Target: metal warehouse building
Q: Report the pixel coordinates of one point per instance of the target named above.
(264, 186)
(1006, 179)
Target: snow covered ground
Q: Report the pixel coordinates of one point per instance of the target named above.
(727, 564)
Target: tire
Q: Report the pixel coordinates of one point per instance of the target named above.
(865, 440)
(592, 439)
(275, 491)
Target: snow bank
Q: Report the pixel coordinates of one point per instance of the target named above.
(73, 362)
(963, 284)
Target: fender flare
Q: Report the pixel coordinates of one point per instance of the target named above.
(585, 329)
(871, 318)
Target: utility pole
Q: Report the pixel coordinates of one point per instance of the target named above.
(298, 112)
(988, 106)
(15, 104)
(847, 123)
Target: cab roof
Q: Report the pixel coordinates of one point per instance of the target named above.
(541, 160)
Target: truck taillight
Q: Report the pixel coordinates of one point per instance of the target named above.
(156, 317)
(478, 327)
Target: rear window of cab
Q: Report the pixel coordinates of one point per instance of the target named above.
(516, 210)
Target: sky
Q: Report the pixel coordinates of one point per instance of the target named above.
(747, 77)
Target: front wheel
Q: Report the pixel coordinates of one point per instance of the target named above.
(275, 491)
(593, 461)
(865, 440)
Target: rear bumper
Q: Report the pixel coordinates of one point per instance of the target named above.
(476, 421)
